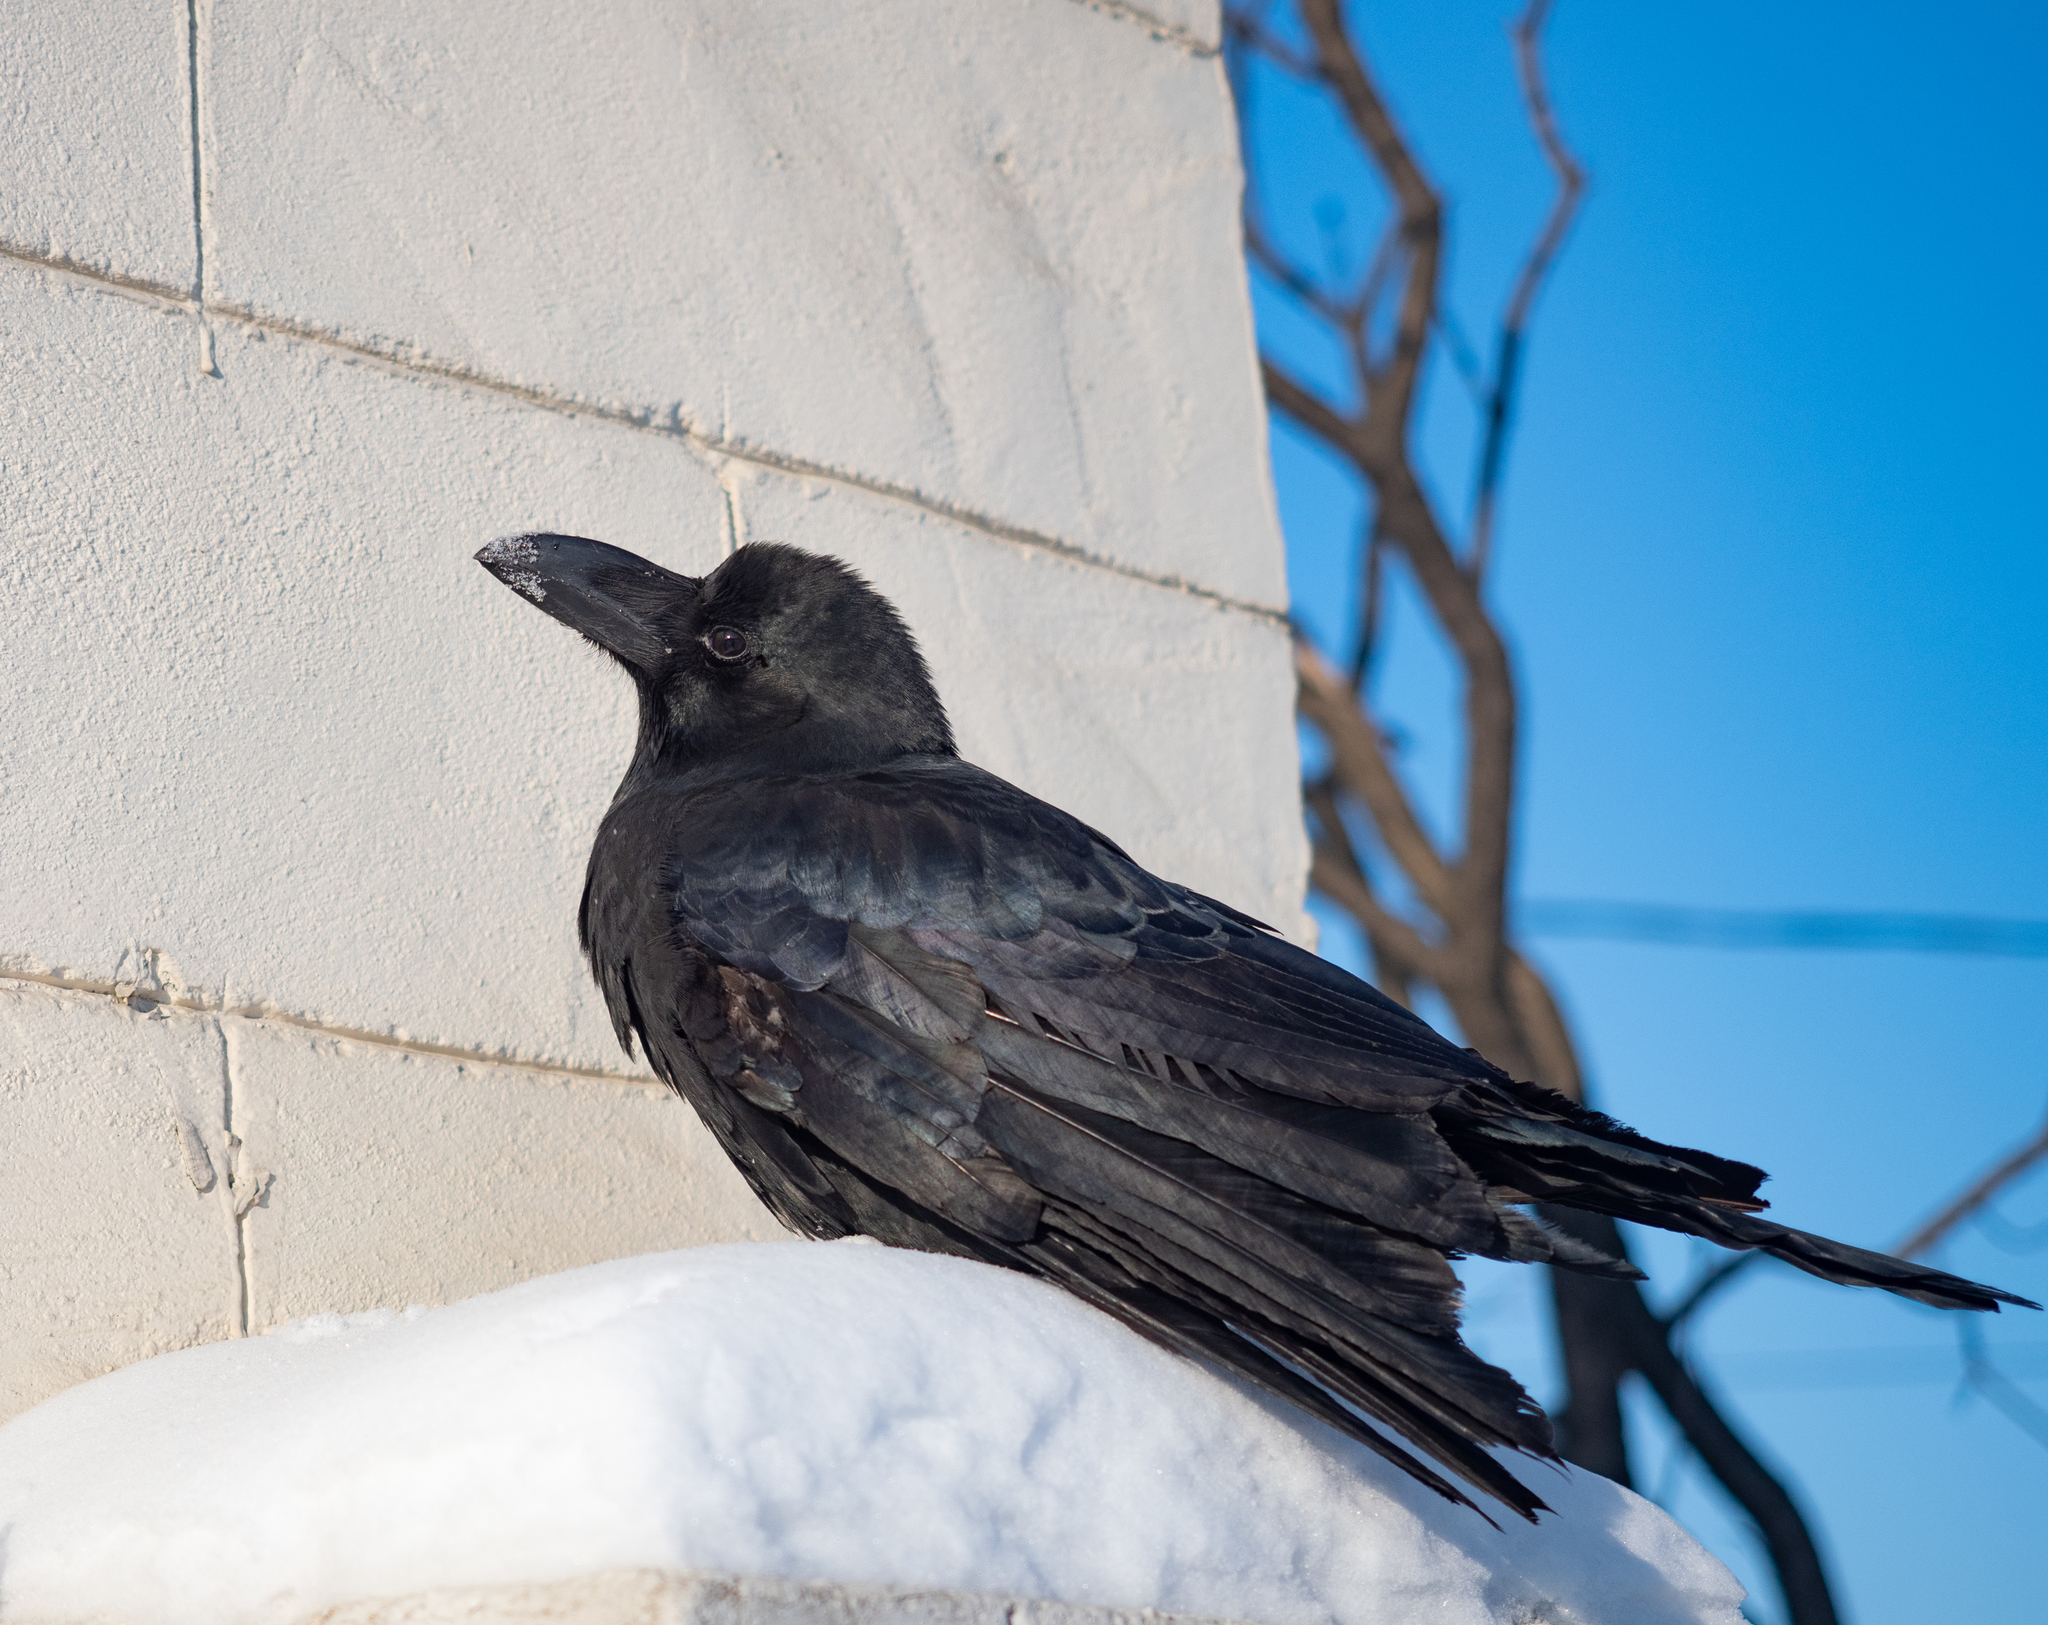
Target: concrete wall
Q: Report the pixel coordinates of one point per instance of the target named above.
(304, 301)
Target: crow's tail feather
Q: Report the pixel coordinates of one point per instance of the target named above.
(1549, 1149)
(1831, 1260)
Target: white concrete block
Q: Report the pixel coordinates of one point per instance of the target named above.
(95, 136)
(261, 711)
(119, 1236)
(987, 252)
(398, 1178)
(1154, 715)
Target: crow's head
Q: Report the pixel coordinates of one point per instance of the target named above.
(778, 657)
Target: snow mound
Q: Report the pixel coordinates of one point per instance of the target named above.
(845, 1411)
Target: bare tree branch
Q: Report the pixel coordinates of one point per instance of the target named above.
(1372, 566)
(1305, 407)
(1571, 186)
(1377, 441)
(1555, 1057)
(1254, 35)
(1994, 1179)
(1297, 281)
(1359, 760)
(1754, 1486)
(1571, 178)
(1406, 518)
(1421, 214)
(1709, 1282)
(1502, 1006)
(1400, 955)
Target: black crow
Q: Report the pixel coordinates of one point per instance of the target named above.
(915, 1003)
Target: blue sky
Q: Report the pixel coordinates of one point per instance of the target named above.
(1773, 569)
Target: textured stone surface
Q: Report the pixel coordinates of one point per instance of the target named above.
(117, 1233)
(262, 712)
(181, 1176)
(731, 218)
(396, 1178)
(94, 115)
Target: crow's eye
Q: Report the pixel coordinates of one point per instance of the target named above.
(726, 643)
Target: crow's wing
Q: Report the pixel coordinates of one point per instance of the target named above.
(771, 875)
(936, 899)
(996, 1034)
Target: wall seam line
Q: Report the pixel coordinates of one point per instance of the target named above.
(197, 154)
(1019, 536)
(1158, 27)
(261, 1012)
(192, 102)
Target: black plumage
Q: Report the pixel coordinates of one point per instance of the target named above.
(913, 1002)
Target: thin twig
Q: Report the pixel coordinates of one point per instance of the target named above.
(1994, 1385)
(1359, 759)
(1305, 406)
(1387, 255)
(1373, 568)
(1399, 950)
(1421, 214)
(1571, 186)
(1258, 38)
(2000, 1174)
(1463, 357)
(1706, 1285)
(1297, 281)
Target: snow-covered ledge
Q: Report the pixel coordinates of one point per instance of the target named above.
(655, 1597)
(914, 1426)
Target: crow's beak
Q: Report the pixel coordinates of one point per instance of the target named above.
(609, 595)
